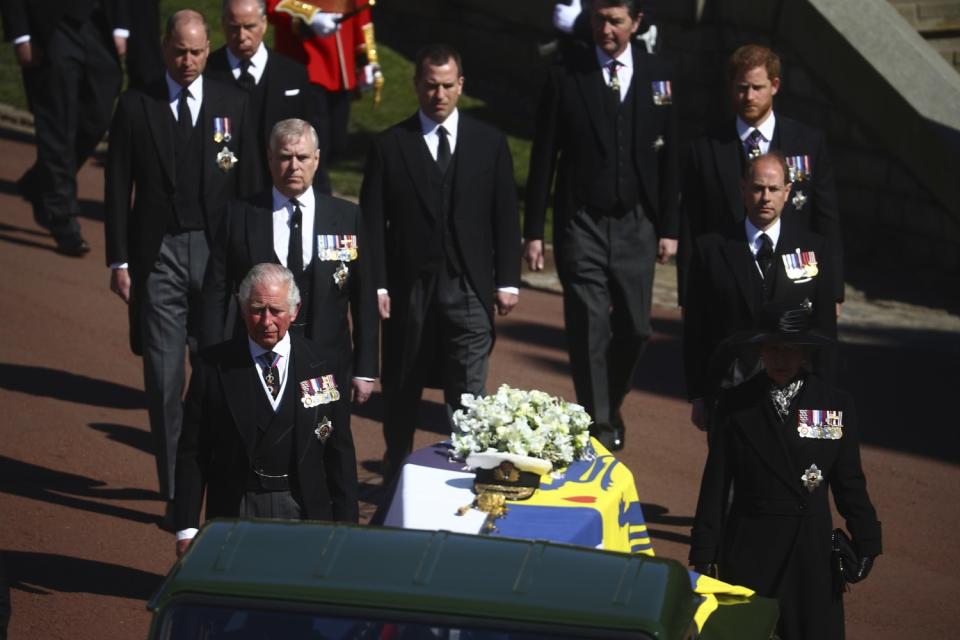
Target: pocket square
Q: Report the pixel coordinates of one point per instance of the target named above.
(291, 92)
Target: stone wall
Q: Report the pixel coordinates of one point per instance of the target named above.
(896, 155)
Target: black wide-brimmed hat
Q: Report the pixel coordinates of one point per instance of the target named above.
(776, 323)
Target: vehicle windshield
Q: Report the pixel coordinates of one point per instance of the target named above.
(195, 622)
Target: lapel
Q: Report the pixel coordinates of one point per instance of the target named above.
(467, 164)
(741, 262)
(260, 229)
(304, 366)
(589, 80)
(240, 387)
(789, 240)
(326, 223)
(159, 119)
(212, 107)
(269, 99)
(410, 139)
(728, 160)
(765, 433)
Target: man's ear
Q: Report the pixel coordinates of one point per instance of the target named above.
(295, 313)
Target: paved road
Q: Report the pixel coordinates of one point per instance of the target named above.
(77, 489)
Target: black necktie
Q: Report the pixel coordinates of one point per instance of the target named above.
(765, 259)
(443, 150)
(614, 79)
(271, 372)
(295, 248)
(753, 144)
(246, 80)
(184, 119)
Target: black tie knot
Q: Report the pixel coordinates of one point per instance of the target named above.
(246, 80)
(753, 143)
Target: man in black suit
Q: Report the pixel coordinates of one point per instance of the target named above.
(439, 196)
(765, 258)
(183, 145)
(144, 55)
(266, 430)
(711, 182)
(608, 114)
(332, 261)
(68, 50)
(277, 85)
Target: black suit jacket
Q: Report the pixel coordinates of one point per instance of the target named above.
(775, 537)
(726, 294)
(287, 94)
(39, 18)
(402, 211)
(712, 197)
(569, 125)
(219, 436)
(245, 239)
(141, 159)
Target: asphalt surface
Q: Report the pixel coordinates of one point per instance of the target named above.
(78, 505)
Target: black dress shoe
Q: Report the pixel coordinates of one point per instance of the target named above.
(74, 246)
(605, 435)
(619, 432)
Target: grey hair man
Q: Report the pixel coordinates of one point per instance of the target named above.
(266, 432)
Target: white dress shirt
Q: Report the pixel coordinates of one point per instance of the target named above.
(765, 128)
(282, 348)
(282, 213)
(258, 63)
(624, 69)
(753, 238)
(194, 100)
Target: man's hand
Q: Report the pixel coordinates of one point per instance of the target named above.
(383, 305)
(698, 414)
(120, 283)
(666, 249)
(362, 390)
(120, 43)
(25, 54)
(182, 546)
(564, 15)
(533, 254)
(505, 302)
(323, 24)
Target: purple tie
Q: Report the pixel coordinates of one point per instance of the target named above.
(753, 144)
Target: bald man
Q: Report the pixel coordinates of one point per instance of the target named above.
(183, 145)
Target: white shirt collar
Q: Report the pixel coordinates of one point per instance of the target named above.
(282, 348)
(174, 88)
(429, 126)
(625, 58)
(306, 199)
(753, 234)
(258, 63)
(766, 128)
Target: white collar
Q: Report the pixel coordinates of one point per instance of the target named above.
(307, 199)
(174, 88)
(625, 58)
(428, 125)
(282, 348)
(765, 128)
(258, 61)
(753, 234)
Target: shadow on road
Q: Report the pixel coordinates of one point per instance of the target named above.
(432, 416)
(45, 573)
(70, 490)
(130, 436)
(70, 387)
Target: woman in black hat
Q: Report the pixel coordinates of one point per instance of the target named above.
(763, 517)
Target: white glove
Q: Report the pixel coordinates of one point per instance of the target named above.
(564, 15)
(323, 24)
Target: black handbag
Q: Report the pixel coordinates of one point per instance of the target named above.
(846, 562)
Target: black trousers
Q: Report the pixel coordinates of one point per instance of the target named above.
(334, 110)
(144, 56)
(606, 267)
(71, 94)
(445, 328)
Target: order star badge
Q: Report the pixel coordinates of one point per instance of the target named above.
(226, 159)
(812, 478)
(323, 430)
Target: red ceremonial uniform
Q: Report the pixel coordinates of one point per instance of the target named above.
(321, 55)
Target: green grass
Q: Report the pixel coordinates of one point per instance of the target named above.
(399, 102)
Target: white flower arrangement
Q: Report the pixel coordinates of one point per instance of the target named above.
(526, 423)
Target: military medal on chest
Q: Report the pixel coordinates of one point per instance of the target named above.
(800, 266)
(820, 424)
(317, 391)
(332, 247)
(812, 478)
(222, 130)
(662, 92)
